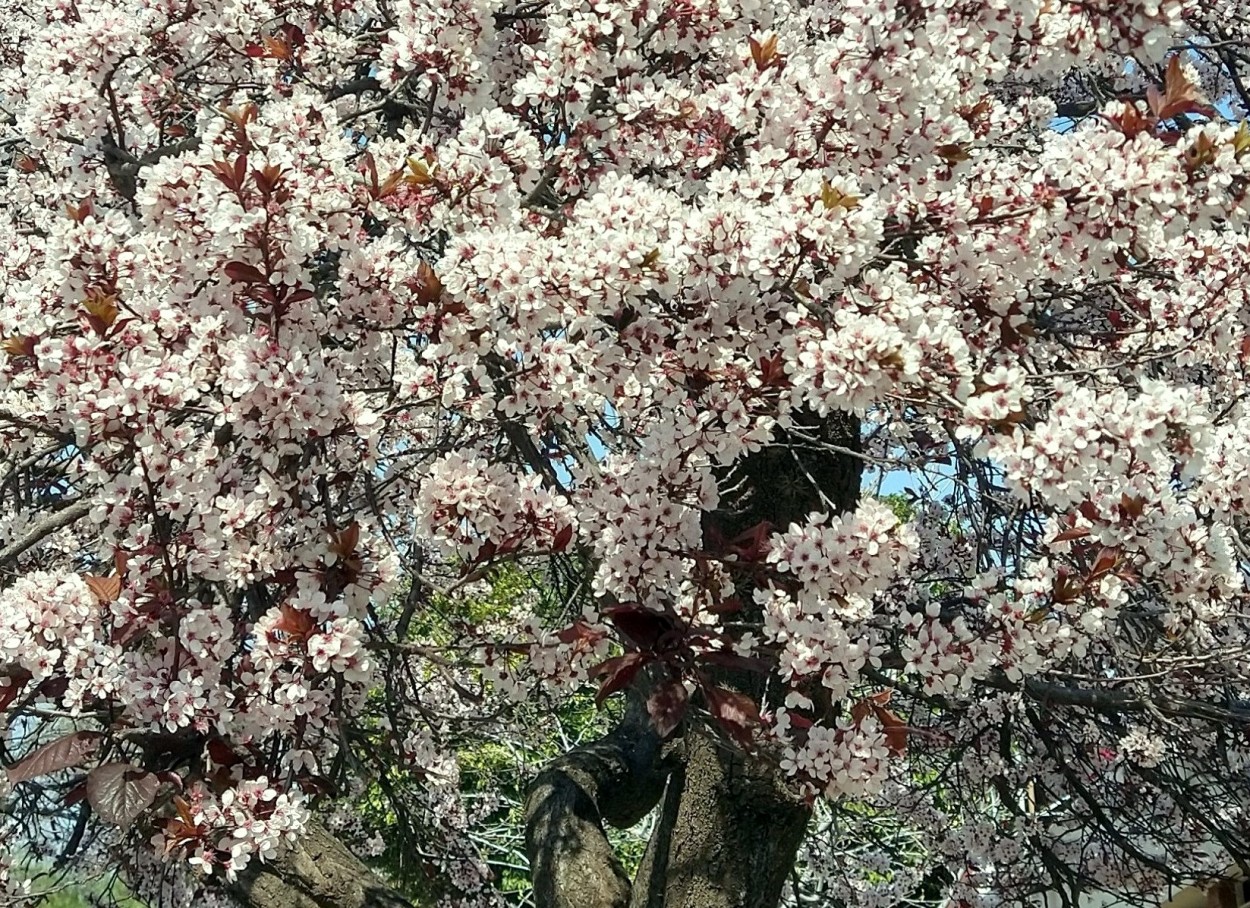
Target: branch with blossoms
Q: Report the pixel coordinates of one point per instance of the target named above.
(790, 373)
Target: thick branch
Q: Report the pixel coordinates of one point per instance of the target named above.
(731, 824)
(616, 779)
(353, 87)
(318, 872)
(1075, 110)
(123, 167)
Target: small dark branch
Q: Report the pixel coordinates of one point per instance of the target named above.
(20, 470)
(525, 447)
(1203, 814)
(354, 87)
(190, 143)
(541, 195)
(392, 106)
(1076, 110)
(1115, 701)
(516, 432)
(616, 780)
(1064, 765)
(523, 11)
(30, 425)
(429, 109)
(45, 528)
(76, 837)
(1230, 60)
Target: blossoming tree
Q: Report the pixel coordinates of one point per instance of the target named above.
(314, 313)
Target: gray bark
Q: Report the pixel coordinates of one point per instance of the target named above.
(729, 835)
(318, 872)
(616, 780)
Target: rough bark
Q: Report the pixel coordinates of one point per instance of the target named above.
(318, 872)
(731, 839)
(729, 827)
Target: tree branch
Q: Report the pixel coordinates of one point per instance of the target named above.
(1075, 110)
(353, 87)
(616, 779)
(1114, 701)
(45, 528)
(317, 872)
(123, 167)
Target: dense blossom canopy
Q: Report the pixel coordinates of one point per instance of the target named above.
(314, 312)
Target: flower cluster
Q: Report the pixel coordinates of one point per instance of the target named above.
(250, 820)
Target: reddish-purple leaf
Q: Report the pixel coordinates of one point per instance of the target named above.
(267, 178)
(734, 712)
(895, 731)
(105, 589)
(563, 538)
(17, 681)
(617, 673)
(118, 792)
(581, 635)
(764, 53)
(221, 753)
(772, 370)
(243, 273)
(293, 34)
(799, 721)
(1074, 533)
(752, 544)
(1131, 507)
(667, 706)
(223, 172)
(75, 795)
(389, 184)
(71, 750)
(1179, 95)
(641, 626)
(730, 605)
(429, 289)
(295, 623)
(240, 170)
(171, 778)
(1104, 563)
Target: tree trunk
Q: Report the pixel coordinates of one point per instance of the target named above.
(728, 834)
(731, 826)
